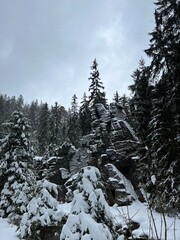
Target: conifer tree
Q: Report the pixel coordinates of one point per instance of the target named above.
(20, 103)
(96, 88)
(116, 98)
(74, 132)
(141, 100)
(33, 115)
(15, 168)
(85, 116)
(163, 151)
(164, 51)
(43, 128)
(55, 124)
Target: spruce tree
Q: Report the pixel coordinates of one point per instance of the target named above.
(96, 88)
(15, 168)
(163, 151)
(164, 51)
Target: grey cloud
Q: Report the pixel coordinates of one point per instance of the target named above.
(47, 47)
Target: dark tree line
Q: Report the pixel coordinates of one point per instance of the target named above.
(156, 107)
(46, 123)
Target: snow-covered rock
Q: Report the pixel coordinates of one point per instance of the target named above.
(119, 186)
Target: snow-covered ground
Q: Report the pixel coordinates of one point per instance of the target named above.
(7, 231)
(137, 211)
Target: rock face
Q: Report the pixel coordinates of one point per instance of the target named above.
(111, 147)
(113, 140)
(58, 166)
(79, 160)
(118, 188)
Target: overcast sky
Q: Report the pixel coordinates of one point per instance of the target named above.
(48, 46)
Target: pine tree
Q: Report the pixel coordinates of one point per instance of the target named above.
(16, 164)
(96, 89)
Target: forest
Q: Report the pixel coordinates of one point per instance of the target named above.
(98, 155)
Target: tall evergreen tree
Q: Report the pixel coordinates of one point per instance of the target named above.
(164, 51)
(96, 88)
(141, 100)
(163, 151)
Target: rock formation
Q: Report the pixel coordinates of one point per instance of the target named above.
(111, 147)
